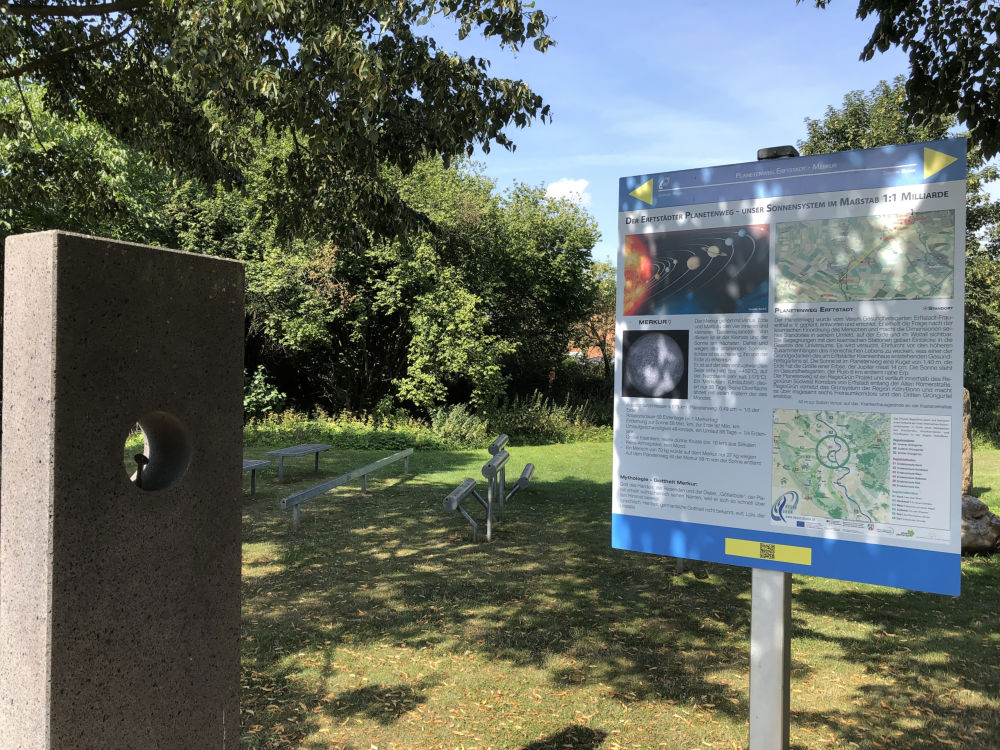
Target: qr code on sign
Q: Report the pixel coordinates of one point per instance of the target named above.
(766, 551)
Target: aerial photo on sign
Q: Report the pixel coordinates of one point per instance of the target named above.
(888, 256)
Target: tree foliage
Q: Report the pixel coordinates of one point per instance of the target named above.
(597, 328)
(309, 140)
(202, 86)
(954, 59)
(477, 305)
(878, 118)
(72, 175)
(982, 341)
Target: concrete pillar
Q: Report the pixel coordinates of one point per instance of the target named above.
(119, 605)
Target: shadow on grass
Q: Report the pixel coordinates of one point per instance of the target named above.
(923, 665)
(393, 570)
(548, 592)
(574, 737)
(383, 705)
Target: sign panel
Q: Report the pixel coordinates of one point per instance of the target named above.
(788, 390)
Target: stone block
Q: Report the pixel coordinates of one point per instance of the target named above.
(980, 527)
(120, 605)
(966, 443)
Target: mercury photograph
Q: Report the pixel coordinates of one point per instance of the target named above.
(699, 271)
(655, 364)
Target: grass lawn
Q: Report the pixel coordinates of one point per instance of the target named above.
(986, 477)
(382, 625)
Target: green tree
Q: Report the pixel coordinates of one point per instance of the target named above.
(73, 175)
(512, 270)
(597, 329)
(540, 279)
(982, 341)
(479, 300)
(202, 85)
(954, 60)
(479, 297)
(450, 344)
(878, 118)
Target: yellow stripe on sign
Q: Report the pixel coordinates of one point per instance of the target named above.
(762, 551)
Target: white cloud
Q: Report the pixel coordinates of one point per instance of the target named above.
(574, 190)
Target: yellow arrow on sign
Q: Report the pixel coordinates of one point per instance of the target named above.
(644, 192)
(935, 161)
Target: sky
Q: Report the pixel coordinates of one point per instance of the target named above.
(647, 86)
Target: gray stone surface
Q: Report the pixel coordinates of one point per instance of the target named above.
(980, 526)
(966, 443)
(119, 606)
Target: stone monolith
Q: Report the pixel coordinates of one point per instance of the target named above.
(120, 604)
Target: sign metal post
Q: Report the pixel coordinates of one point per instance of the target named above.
(770, 629)
(770, 658)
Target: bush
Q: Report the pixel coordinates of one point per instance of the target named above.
(260, 396)
(135, 442)
(342, 431)
(458, 424)
(582, 382)
(539, 419)
(982, 344)
(534, 419)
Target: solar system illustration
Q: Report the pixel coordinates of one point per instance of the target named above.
(655, 364)
(698, 271)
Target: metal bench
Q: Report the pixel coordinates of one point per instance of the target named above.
(522, 481)
(251, 465)
(494, 472)
(295, 500)
(294, 451)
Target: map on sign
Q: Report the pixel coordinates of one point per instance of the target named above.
(830, 464)
(891, 257)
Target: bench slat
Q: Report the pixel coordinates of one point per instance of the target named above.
(300, 497)
(299, 450)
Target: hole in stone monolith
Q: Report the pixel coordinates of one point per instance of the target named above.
(165, 455)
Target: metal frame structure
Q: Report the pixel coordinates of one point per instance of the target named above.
(495, 473)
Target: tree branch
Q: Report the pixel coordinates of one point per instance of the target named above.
(27, 112)
(71, 11)
(44, 59)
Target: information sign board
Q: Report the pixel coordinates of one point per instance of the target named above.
(789, 365)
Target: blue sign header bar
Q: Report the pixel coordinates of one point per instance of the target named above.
(889, 166)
